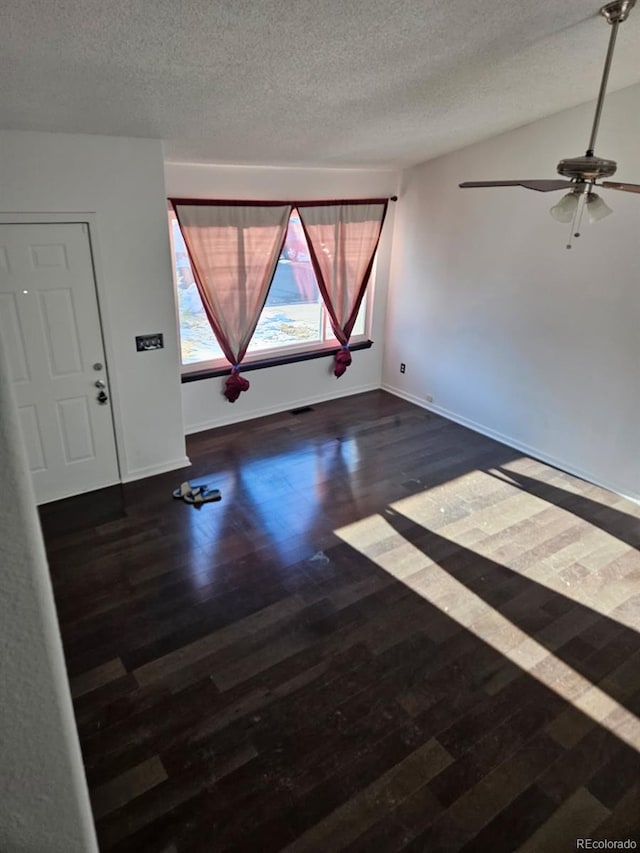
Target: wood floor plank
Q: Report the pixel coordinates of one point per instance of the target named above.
(514, 824)
(482, 803)
(353, 818)
(97, 677)
(119, 791)
(622, 823)
(575, 818)
(213, 642)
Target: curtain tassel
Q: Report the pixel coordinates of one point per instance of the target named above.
(235, 384)
(343, 360)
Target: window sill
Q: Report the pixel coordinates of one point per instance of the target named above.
(209, 373)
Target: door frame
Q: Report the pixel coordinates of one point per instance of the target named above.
(90, 220)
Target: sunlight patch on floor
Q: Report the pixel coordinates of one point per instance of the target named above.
(549, 545)
(377, 539)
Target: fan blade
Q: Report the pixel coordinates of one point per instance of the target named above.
(541, 186)
(627, 188)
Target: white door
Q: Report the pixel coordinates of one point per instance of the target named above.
(50, 326)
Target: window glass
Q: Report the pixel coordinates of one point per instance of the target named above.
(293, 318)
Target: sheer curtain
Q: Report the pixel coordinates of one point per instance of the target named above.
(343, 238)
(233, 248)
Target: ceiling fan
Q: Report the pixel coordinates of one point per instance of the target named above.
(582, 172)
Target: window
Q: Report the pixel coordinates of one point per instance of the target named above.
(293, 319)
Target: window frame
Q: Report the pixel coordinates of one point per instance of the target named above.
(271, 356)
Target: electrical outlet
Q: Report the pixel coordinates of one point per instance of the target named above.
(403, 367)
(429, 398)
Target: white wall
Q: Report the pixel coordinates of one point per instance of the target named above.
(277, 389)
(121, 183)
(44, 804)
(508, 331)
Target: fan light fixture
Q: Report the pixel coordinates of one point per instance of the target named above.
(597, 208)
(565, 209)
(582, 172)
(575, 204)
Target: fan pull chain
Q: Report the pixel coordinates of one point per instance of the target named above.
(577, 219)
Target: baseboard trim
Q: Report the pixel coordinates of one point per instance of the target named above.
(73, 494)
(278, 408)
(534, 452)
(152, 470)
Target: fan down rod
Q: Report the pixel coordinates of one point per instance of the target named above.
(615, 13)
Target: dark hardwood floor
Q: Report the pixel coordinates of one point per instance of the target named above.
(390, 634)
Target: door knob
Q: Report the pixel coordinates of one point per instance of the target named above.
(102, 398)
(99, 383)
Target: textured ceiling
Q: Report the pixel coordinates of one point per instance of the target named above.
(318, 82)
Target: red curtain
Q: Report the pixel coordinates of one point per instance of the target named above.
(343, 238)
(233, 249)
